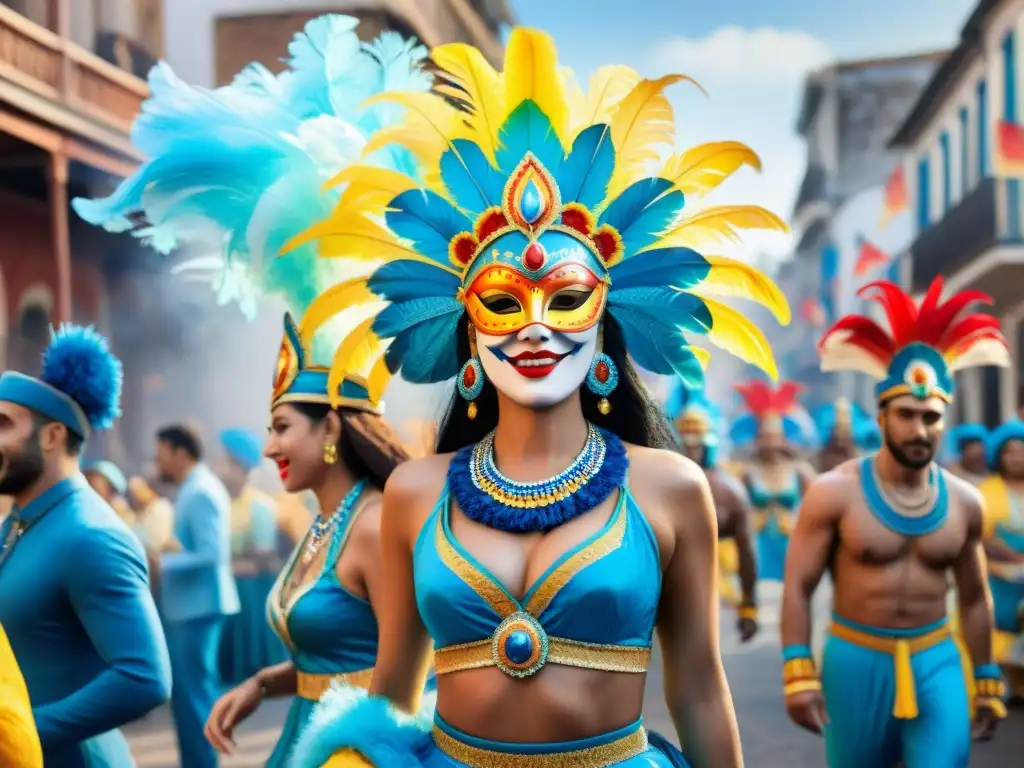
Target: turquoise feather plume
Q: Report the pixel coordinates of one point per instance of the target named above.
(239, 169)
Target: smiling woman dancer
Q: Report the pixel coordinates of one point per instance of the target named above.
(264, 146)
(555, 529)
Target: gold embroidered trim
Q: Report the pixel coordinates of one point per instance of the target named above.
(602, 546)
(312, 687)
(569, 653)
(600, 756)
(490, 592)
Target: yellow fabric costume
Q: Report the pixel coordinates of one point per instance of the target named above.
(19, 740)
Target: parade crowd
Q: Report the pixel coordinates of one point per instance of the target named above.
(496, 602)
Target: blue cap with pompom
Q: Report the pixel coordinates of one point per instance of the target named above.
(80, 385)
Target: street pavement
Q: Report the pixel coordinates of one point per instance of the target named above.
(754, 672)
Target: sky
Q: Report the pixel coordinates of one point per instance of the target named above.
(752, 57)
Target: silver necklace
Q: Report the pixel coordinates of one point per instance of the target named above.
(908, 502)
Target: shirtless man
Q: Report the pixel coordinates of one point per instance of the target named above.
(891, 528)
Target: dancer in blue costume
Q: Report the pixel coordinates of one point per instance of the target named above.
(775, 477)
(892, 528)
(556, 528)
(74, 594)
(1003, 492)
(265, 145)
(844, 432)
(697, 422)
(967, 445)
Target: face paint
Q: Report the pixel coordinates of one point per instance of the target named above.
(537, 367)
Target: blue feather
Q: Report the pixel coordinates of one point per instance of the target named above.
(528, 129)
(656, 345)
(427, 220)
(326, 44)
(674, 308)
(397, 318)
(475, 184)
(677, 267)
(436, 357)
(642, 212)
(683, 398)
(743, 430)
(401, 281)
(79, 363)
(584, 174)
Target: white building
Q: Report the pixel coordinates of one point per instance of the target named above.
(969, 226)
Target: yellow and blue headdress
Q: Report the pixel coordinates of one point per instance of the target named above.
(694, 417)
(924, 346)
(962, 435)
(999, 437)
(80, 384)
(845, 415)
(241, 170)
(531, 184)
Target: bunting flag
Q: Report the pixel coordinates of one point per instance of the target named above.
(1008, 154)
(829, 282)
(813, 313)
(869, 257)
(895, 199)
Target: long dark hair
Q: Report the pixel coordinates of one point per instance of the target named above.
(368, 446)
(636, 417)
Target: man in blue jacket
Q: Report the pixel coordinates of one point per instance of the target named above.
(74, 592)
(197, 589)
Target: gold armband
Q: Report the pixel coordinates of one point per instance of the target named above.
(801, 686)
(748, 612)
(799, 676)
(990, 687)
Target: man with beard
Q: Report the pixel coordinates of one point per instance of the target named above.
(968, 443)
(693, 417)
(74, 596)
(198, 589)
(891, 528)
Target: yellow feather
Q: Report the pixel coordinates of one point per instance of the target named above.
(699, 170)
(608, 86)
(642, 121)
(734, 279)
(370, 177)
(703, 356)
(531, 72)
(480, 86)
(576, 100)
(720, 223)
(354, 354)
(430, 125)
(378, 380)
(735, 334)
(334, 300)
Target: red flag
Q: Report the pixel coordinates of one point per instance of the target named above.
(869, 258)
(896, 199)
(812, 312)
(1008, 157)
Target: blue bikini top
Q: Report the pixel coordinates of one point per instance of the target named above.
(762, 498)
(328, 629)
(594, 607)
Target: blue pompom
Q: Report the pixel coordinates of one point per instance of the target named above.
(80, 364)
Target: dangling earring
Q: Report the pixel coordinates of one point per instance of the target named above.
(330, 453)
(602, 379)
(471, 384)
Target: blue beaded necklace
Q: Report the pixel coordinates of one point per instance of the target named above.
(487, 496)
(905, 525)
(321, 527)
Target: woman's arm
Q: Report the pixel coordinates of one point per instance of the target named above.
(696, 690)
(278, 680)
(404, 653)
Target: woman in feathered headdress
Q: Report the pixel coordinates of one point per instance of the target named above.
(844, 431)
(775, 425)
(894, 530)
(967, 447)
(1003, 492)
(697, 422)
(537, 250)
(240, 169)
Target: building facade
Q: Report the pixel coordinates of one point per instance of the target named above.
(69, 90)
(969, 224)
(849, 111)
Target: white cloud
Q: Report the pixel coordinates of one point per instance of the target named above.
(739, 55)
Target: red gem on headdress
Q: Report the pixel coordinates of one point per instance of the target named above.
(601, 371)
(919, 376)
(469, 377)
(534, 256)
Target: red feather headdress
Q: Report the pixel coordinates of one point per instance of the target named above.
(763, 399)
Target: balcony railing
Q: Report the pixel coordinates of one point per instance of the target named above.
(51, 66)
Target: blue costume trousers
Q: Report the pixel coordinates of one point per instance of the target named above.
(194, 646)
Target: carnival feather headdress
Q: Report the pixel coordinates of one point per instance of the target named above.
(772, 408)
(842, 413)
(525, 171)
(691, 411)
(924, 346)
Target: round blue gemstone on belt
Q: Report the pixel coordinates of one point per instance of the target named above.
(519, 646)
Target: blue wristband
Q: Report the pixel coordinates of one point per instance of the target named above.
(791, 652)
(988, 672)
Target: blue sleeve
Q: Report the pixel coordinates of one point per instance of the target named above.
(199, 512)
(108, 588)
